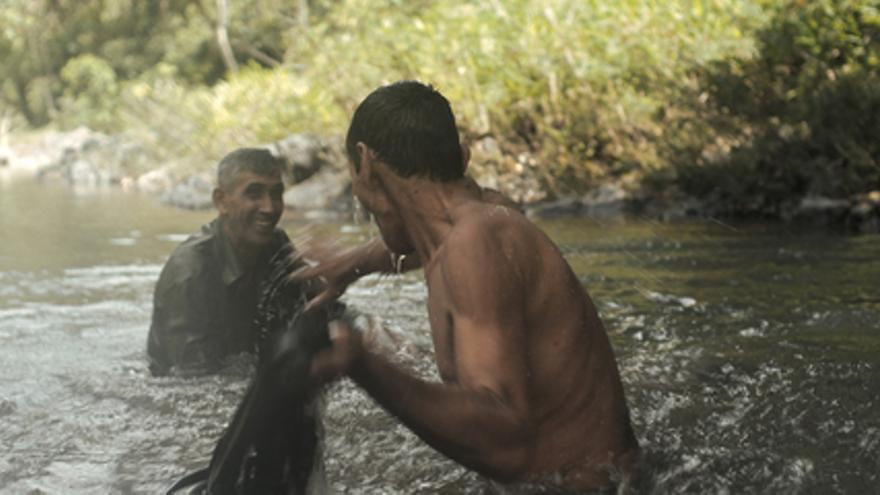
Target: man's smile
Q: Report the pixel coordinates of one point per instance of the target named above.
(265, 225)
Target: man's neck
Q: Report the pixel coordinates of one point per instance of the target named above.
(246, 255)
(430, 209)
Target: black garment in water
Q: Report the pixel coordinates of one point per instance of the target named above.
(269, 446)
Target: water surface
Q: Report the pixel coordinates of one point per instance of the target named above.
(750, 354)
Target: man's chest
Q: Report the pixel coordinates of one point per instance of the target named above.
(240, 298)
(236, 311)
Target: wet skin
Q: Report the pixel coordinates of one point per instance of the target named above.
(530, 388)
(250, 208)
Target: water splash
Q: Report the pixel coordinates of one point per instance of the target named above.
(747, 369)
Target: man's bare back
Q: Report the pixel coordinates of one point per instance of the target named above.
(530, 389)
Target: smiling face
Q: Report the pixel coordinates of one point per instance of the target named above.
(250, 207)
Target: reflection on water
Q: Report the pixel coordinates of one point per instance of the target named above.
(749, 355)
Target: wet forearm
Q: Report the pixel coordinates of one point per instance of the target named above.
(472, 426)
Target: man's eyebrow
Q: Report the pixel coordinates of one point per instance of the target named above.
(257, 186)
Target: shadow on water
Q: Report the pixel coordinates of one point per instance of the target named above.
(749, 354)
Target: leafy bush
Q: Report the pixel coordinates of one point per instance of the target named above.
(800, 118)
(91, 91)
(682, 91)
(195, 126)
(40, 38)
(576, 85)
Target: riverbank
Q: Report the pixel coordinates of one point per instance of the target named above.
(666, 110)
(319, 183)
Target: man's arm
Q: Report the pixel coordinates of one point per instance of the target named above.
(483, 425)
(338, 270)
(482, 419)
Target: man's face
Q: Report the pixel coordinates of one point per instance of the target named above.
(251, 207)
(375, 200)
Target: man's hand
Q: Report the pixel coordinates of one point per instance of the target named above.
(327, 267)
(346, 348)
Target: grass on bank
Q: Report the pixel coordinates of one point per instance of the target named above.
(747, 103)
(579, 86)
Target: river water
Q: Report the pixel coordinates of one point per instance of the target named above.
(750, 354)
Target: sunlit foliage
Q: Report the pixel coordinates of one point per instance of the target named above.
(678, 92)
(800, 118)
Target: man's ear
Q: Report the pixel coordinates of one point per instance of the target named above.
(367, 158)
(218, 196)
(465, 157)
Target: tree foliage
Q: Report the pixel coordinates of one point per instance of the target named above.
(577, 85)
(800, 118)
(746, 102)
(133, 39)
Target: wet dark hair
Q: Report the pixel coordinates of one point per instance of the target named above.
(255, 160)
(411, 127)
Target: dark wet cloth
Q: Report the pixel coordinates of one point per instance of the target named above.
(204, 303)
(272, 445)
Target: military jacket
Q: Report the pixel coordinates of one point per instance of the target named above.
(204, 303)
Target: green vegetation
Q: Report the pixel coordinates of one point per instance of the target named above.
(742, 102)
(801, 117)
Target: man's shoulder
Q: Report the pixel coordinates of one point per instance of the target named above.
(492, 224)
(191, 257)
(496, 197)
(494, 237)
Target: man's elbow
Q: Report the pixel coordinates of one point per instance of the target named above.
(510, 459)
(509, 465)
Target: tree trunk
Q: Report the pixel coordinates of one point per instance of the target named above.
(223, 37)
(24, 106)
(302, 13)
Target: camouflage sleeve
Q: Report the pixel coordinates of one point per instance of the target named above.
(183, 337)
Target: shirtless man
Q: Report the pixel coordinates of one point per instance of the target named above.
(530, 389)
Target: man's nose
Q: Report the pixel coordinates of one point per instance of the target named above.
(269, 204)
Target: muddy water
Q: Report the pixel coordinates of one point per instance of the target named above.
(750, 355)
